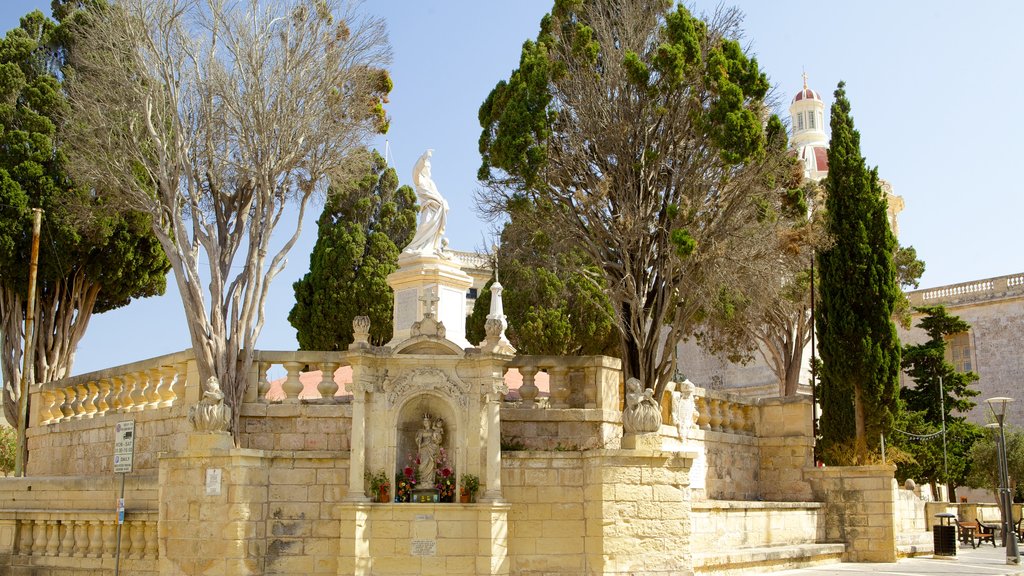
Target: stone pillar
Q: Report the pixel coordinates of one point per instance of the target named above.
(786, 442)
(630, 496)
(492, 468)
(861, 509)
(212, 508)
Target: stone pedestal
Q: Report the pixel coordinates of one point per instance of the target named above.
(424, 283)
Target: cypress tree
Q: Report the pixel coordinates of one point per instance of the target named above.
(859, 348)
(363, 228)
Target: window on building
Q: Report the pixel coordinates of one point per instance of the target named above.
(959, 353)
(471, 294)
(800, 121)
(810, 120)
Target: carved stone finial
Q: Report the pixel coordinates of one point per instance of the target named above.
(211, 414)
(428, 327)
(642, 414)
(360, 332)
(494, 326)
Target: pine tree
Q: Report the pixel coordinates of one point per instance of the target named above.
(925, 412)
(859, 348)
(363, 228)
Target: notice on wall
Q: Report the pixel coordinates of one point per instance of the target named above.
(213, 476)
(423, 547)
(124, 446)
(405, 309)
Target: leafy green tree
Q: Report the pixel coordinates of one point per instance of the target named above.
(984, 460)
(363, 228)
(88, 264)
(645, 129)
(938, 394)
(553, 296)
(858, 289)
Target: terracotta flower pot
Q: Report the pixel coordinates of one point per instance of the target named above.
(465, 497)
(385, 494)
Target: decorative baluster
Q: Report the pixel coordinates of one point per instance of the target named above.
(81, 539)
(528, 391)
(180, 381)
(138, 539)
(67, 408)
(748, 419)
(558, 378)
(167, 396)
(264, 383)
(703, 412)
(114, 399)
(126, 539)
(735, 418)
(39, 544)
(89, 406)
(292, 386)
(717, 414)
(103, 397)
(109, 538)
(156, 384)
(67, 538)
(139, 392)
(63, 404)
(25, 540)
(76, 395)
(46, 409)
(125, 397)
(52, 538)
(151, 550)
(95, 539)
(327, 386)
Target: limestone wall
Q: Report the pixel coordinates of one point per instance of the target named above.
(720, 524)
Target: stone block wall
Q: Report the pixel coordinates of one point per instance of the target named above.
(269, 512)
(307, 425)
(860, 509)
(719, 525)
(552, 429)
(85, 447)
(786, 448)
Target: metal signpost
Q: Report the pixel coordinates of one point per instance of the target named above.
(124, 452)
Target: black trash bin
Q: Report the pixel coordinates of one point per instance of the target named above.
(944, 535)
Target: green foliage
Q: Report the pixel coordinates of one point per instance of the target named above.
(553, 297)
(363, 228)
(645, 131)
(93, 256)
(926, 365)
(8, 449)
(858, 290)
(984, 459)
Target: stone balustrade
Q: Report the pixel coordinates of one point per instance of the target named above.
(723, 412)
(153, 384)
(979, 290)
(575, 381)
(295, 363)
(83, 534)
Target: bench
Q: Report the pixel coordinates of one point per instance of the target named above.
(974, 532)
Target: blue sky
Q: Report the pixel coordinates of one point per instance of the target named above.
(932, 85)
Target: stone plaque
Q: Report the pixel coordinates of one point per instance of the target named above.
(405, 309)
(213, 476)
(422, 517)
(423, 548)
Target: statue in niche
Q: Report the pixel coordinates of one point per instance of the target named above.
(428, 445)
(433, 216)
(211, 414)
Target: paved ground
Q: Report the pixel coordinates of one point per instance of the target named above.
(985, 561)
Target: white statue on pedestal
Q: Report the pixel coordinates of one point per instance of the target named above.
(428, 240)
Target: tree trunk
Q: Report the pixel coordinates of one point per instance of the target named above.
(860, 439)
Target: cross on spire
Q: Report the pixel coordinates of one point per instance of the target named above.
(805, 79)
(429, 299)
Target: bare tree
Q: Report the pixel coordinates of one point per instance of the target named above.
(213, 116)
(648, 132)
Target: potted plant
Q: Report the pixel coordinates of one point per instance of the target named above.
(470, 486)
(380, 486)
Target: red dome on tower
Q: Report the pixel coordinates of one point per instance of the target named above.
(807, 94)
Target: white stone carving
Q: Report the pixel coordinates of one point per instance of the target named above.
(684, 409)
(641, 415)
(422, 379)
(433, 215)
(428, 449)
(360, 332)
(211, 414)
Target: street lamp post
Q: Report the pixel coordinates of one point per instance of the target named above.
(998, 407)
